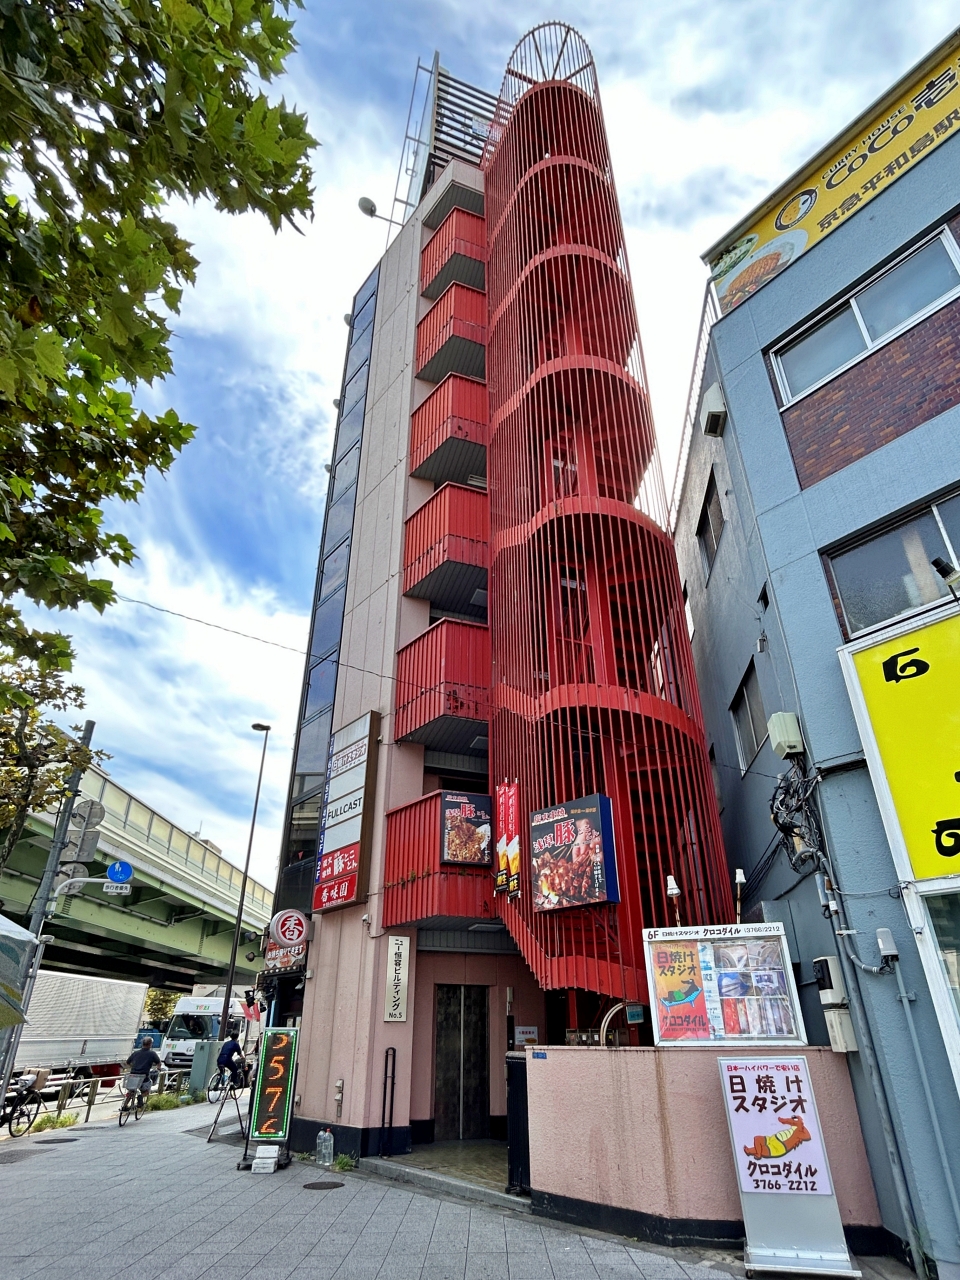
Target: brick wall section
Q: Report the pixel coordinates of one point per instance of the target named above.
(909, 381)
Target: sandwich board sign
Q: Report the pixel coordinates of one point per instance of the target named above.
(790, 1212)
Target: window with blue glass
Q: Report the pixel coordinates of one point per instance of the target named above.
(320, 680)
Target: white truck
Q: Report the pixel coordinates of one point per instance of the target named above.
(78, 1025)
(197, 1018)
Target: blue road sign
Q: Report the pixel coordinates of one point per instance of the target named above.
(119, 872)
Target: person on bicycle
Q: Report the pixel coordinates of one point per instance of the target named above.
(231, 1058)
(142, 1061)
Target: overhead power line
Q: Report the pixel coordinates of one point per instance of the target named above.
(216, 625)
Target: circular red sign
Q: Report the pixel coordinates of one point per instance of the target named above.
(289, 928)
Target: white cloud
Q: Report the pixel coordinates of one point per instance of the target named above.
(174, 700)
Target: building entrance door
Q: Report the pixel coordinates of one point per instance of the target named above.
(461, 1098)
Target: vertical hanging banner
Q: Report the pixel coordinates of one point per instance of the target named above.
(790, 1210)
(508, 839)
(273, 1100)
(398, 963)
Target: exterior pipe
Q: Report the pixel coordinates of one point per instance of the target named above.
(868, 1057)
(607, 1019)
(905, 999)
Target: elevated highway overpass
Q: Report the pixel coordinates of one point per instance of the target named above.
(176, 926)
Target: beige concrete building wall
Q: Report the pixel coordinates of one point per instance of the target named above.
(343, 1033)
(645, 1129)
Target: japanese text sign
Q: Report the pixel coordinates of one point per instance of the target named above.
(906, 698)
(289, 928)
(337, 878)
(573, 856)
(902, 129)
(774, 1126)
(273, 1099)
(715, 983)
(465, 829)
(398, 962)
(347, 815)
(278, 959)
(508, 838)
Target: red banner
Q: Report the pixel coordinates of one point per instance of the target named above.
(508, 838)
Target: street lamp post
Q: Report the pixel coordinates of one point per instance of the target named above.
(228, 990)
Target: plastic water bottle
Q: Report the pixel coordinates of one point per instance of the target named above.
(325, 1148)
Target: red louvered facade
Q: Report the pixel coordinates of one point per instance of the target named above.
(592, 681)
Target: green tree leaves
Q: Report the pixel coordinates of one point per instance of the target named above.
(107, 110)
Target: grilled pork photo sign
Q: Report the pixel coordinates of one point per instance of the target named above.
(574, 862)
(466, 833)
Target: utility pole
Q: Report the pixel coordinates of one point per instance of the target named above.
(41, 903)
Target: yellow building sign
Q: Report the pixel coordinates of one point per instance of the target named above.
(884, 143)
(911, 692)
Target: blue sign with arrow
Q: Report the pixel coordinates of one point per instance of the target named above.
(119, 872)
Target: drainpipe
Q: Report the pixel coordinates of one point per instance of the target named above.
(905, 997)
(868, 1057)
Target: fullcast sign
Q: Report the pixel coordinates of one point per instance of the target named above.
(347, 821)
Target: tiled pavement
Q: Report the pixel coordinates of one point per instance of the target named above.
(152, 1200)
(483, 1162)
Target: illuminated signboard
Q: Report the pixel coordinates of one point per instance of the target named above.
(465, 829)
(273, 1100)
(888, 140)
(906, 699)
(731, 983)
(574, 862)
(347, 824)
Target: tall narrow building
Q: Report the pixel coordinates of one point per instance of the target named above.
(499, 653)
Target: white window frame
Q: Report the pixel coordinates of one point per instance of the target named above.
(746, 764)
(930, 508)
(787, 398)
(913, 892)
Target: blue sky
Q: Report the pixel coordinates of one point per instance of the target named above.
(708, 107)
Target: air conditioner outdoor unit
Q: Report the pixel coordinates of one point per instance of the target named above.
(713, 411)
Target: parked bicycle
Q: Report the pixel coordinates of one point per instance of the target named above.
(19, 1112)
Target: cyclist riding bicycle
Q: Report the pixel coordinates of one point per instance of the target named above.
(142, 1061)
(231, 1057)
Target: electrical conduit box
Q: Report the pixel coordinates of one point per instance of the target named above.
(833, 996)
(785, 736)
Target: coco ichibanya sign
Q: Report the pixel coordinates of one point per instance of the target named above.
(398, 962)
(910, 122)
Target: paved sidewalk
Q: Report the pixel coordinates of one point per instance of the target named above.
(153, 1200)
